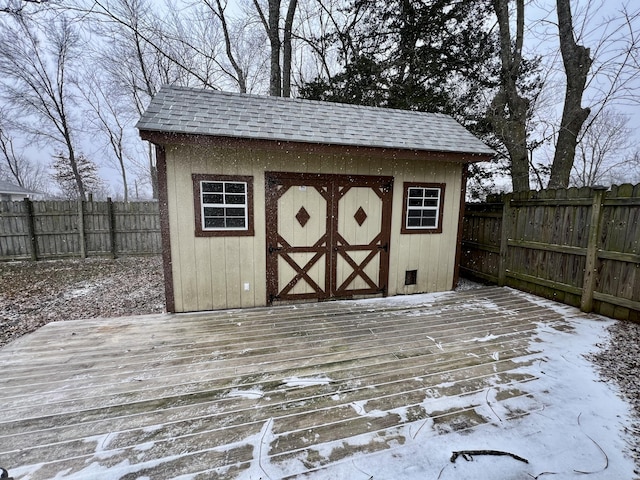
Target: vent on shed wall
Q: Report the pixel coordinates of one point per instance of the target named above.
(411, 277)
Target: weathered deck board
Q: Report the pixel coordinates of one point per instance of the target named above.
(191, 393)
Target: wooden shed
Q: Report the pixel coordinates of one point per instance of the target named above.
(266, 200)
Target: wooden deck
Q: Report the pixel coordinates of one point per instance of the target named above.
(212, 395)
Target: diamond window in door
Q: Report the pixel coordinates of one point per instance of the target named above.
(302, 216)
(360, 216)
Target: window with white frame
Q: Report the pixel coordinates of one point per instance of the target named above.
(223, 205)
(422, 207)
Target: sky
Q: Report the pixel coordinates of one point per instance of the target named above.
(592, 24)
(541, 20)
(597, 29)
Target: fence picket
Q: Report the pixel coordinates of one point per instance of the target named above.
(590, 269)
(567, 245)
(57, 229)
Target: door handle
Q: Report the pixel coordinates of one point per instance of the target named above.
(274, 249)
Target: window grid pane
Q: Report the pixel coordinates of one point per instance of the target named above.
(423, 208)
(227, 208)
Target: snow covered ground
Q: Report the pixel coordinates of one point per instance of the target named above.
(576, 433)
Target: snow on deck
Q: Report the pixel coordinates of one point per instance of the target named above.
(374, 389)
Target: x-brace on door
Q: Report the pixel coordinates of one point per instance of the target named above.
(327, 235)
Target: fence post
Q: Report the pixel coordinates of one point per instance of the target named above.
(31, 229)
(591, 263)
(81, 232)
(504, 240)
(112, 226)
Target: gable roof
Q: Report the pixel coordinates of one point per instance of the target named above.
(193, 111)
(10, 188)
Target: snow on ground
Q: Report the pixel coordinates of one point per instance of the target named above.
(577, 431)
(251, 394)
(306, 382)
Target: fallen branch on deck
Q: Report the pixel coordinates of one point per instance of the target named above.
(4, 474)
(468, 455)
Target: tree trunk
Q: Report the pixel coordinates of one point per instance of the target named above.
(577, 62)
(76, 175)
(219, 11)
(517, 148)
(275, 84)
(150, 91)
(508, 113)
(287, 50)
(73, 163)
(123, 173)
(12, 161)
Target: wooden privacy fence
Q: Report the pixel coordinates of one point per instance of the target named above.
(578, 246)
(56, 229)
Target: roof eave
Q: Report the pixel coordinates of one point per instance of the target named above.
(176, 138)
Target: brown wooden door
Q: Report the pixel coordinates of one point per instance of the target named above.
(327, 235)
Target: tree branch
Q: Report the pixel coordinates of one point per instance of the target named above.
(468, 455)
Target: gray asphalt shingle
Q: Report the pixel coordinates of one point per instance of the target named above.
(12, 188)
(223, 114)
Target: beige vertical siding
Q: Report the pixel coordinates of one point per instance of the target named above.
(432, 255)
(210, 272)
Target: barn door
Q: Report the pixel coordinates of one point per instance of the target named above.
(327, 235)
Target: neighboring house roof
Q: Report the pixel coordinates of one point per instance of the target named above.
(12, 189)
(209, 112)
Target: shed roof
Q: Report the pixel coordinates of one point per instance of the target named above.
(222, 114)
(10, 188)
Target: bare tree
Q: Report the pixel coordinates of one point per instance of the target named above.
(15, 166)
(109, 117)
(144, 49)
(326, 38)
(602, 149)
(287, 51)
(611, 79)
(219, 9)
(509, 109)
(36, 61)
(615, 68)
(129, 63)
(280, 76)
(66, 178)
(630, 173)
(17, 7)
(577, 62)
(158, 31)
(13, 161)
